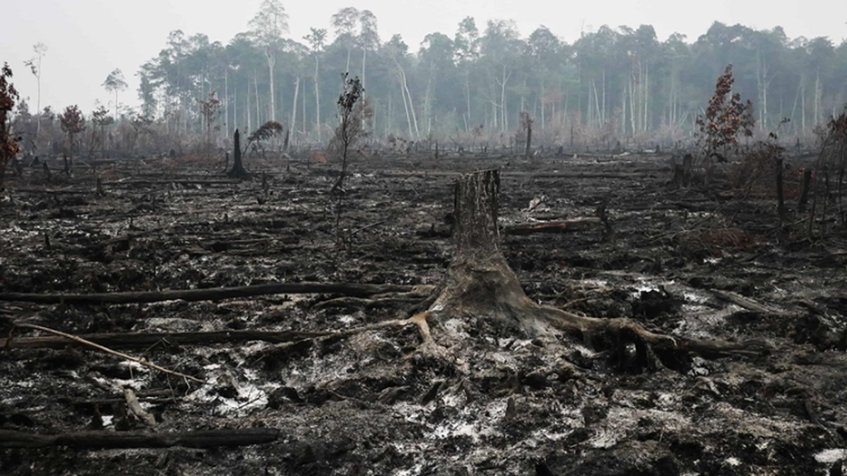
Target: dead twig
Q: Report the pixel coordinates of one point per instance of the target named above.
(107, 350)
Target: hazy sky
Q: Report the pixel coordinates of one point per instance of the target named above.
(87, 39)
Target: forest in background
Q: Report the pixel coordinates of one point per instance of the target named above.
(611, 86)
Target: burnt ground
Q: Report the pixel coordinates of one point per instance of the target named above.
(701, 262)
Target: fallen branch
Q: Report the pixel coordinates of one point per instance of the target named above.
(145, 340)
(577, 224)
(109, 439)
(107, 350)
(746, 303)
(211, 294)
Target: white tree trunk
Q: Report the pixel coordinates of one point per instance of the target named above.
(256, 89)
(272, 105)
(226, 103)
(406, 107)
(292, 126)
(247, 108)
(317, 98)
(411, 104)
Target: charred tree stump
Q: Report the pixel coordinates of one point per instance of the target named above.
(804, 192)
(238, 170)
(687, 169)
(483, 293)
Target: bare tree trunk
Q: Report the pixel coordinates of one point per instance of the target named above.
(760, 89)
(247, 108)
(256, 89)
(226, 102)
(468, 99)
(406, 108)
(632, 111)
(503, 109)
(347, 68)
(364, 63)
(271, 64)
(646, 124)
(603, 97)
(803, 104)
(317, 97)
(294, 106)
(623, 112)
(427, 105)
(598, 115)
(818, 97)
(412, 107)
(543, 121)
(779, 194)
(389, 124)
(411, 103)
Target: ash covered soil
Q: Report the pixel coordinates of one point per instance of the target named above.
(697, 262)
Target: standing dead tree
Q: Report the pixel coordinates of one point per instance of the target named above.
(238, 170)
(8, 96)
(352, 117)
(830, 167)
(525, 133)
(349, 128)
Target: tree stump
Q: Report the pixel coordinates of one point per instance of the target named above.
(479, 283)
(238, 170)
(482, 293)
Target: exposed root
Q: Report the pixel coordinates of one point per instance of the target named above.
(429, 347)
(591, 326)
(419, 320)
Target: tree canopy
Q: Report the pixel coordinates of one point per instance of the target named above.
(612, 83)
